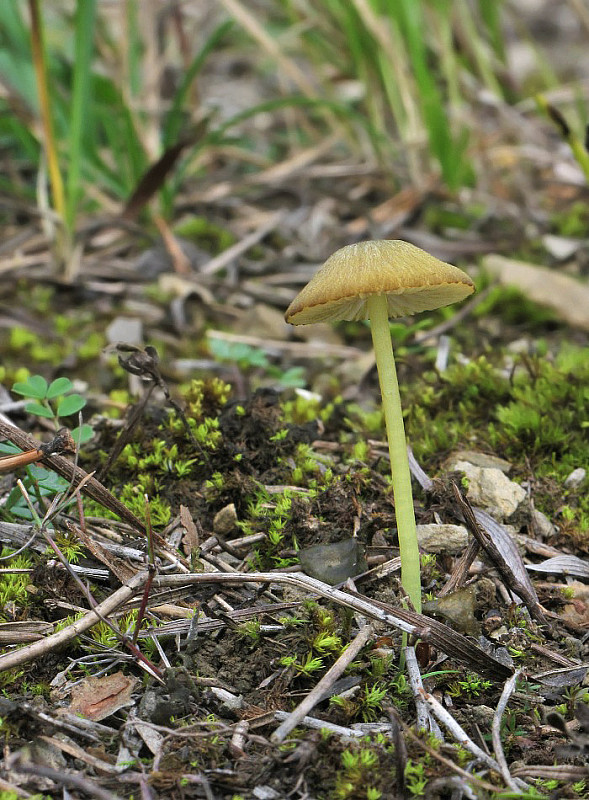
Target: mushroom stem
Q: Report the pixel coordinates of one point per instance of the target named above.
(393, 414)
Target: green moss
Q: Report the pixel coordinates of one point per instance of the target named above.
(546, 413)
(204, 398)
(538, 413)
(271, 515)
(364, 771)
(513, 307)
(13, 586)
(534, 414)
(573, 221)
(205, 233)
(307, 409)
(25, 344)
(439, 217)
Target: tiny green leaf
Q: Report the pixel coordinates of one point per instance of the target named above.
(7, 448)
(38, 410)
(82, 434)
(57, 387)
(70, 405)
(34, 386)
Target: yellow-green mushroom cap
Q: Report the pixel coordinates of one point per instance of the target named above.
(411, 279)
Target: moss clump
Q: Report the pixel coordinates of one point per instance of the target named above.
(205, 233)
(531, 410)
(14, 591)
(573, 221)
(513, 308)
(536, 410)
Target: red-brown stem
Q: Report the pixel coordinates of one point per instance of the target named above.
(8, 463)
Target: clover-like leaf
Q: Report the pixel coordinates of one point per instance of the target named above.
(58, 387)
(38, 410)
(34, 386)
(82, 434)
(70, 405)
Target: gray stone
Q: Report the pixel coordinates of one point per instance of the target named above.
(481, 714)
(450, 539)
(561, 247)
(335, 562)
(576, 478)
(541, 525)
(478, 460)
(231, 701)
(225, 520)
(492, 490)
(125, 329)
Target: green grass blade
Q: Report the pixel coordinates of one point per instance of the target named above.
(175, 117)
(79, 121)
(45, 103)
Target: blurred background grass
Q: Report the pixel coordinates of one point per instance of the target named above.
(102, 102)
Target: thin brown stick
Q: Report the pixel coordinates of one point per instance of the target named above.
(403, 619)
(62, 779)
(39, 649)
(16, 460)
(63, 467)
(502, 552)
(508, 690)
(326, 682)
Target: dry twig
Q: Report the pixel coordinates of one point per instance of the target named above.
(326, 682)
(496, 731)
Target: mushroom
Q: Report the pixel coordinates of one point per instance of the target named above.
(377, 280)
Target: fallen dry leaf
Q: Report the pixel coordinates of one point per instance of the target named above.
(568, 297)
(98, 698)
(191, 539)
(577, 611)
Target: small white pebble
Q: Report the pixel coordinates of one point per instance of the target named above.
(232, 701)
(576, 478)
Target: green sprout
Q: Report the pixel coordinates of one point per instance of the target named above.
(306, 667)
(53, 401)
(359, 767)
(415, 779)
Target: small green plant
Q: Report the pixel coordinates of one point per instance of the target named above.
(573, 695)
(53, 401)
(529, 794)
(357, 775)
(472, 686)
(291, 622)
(306, 667)
(105, 634)
(69, 545)
(415, 778)
(244, 355)
(13, 586)
(372, 701)
(49, 400)
(247, 357)
(511, 728)
(161, 458)
(39, 482)
(250, 630)
(463, 756)
(271, 515)
(399, 691)
(326, 642)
